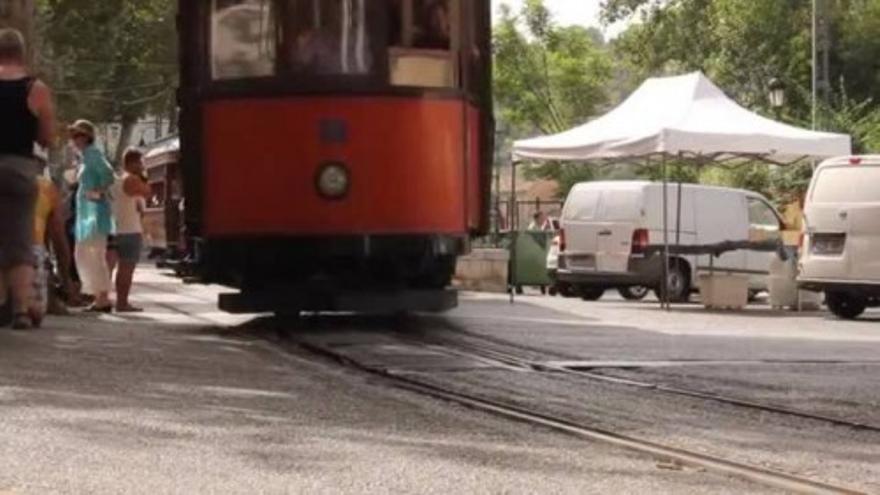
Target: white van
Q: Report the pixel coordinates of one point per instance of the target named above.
(608, 227)
(841, 250)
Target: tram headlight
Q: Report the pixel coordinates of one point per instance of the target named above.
(333, 180)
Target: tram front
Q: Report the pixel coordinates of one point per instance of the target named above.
(345, 143)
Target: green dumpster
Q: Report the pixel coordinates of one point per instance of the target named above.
(528, 258)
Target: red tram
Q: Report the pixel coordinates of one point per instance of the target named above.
(162, 222)
(333, 146)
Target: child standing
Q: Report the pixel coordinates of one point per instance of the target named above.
(48, 231)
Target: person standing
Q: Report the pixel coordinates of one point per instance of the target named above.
(48, 231)
(94, 222)
(436, 33)
(27, 116)
(129, 196)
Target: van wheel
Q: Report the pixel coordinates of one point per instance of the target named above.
(591, 293)
(678, 283)
(845, 306)
(636, 293)
(565, 290)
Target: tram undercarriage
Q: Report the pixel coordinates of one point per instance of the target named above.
(382, 274)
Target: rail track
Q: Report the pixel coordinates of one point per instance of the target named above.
(666, 453)
(519, 361)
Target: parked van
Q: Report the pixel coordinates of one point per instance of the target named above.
(841, 250)
(608, 229)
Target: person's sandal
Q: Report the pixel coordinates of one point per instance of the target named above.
(36, 319)
(22, 321)
(98, 309)
(129, 309)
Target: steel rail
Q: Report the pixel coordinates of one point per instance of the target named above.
(757, 474)
(518, 361)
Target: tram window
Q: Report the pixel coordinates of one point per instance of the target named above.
(328, 37)
(157, 195)
(435, 28)
(242, 39)
(423, 43)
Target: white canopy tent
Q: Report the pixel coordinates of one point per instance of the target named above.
(684, 116)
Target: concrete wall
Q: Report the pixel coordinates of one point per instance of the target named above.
(484, 270)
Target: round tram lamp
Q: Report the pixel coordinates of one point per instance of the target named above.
(777, 93)
(333, 180)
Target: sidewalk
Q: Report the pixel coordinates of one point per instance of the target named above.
(166, 301)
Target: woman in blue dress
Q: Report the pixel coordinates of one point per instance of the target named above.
(94, 219)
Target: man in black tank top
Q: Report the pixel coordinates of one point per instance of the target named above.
(26, 118)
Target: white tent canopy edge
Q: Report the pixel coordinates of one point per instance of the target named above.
(677, 115)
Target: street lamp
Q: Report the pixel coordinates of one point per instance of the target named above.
(777, 95)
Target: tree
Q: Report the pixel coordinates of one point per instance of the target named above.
(18, 14)
(742, 44)
(111, 61)
(548, 78)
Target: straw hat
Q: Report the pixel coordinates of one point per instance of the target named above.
(83, 127)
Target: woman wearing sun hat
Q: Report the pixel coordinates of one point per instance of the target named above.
(94, 219)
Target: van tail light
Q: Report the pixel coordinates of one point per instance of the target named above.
(561, 237)
(640, 241)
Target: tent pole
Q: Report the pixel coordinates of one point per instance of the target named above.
(678, 214)
(664, 284)
(678, 207)
(514, 231)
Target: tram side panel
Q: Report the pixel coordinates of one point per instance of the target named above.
(414, 167)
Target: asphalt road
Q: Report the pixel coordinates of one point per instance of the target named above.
(184, 400)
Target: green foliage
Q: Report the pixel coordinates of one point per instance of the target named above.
(754, 177)
(111, 61)
(548, 79)
(676, 171)
(790, 183)
(857, 54)
(566, 175)
(741, 45)
(859, 119)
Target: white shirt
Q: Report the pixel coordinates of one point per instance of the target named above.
(126, 209)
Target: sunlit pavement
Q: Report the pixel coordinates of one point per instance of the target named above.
(810, 361)
(757, 321)
(182, 399)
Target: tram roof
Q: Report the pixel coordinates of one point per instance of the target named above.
(168, 145)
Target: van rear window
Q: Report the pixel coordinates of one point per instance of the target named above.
(620, 205)
(852, 184)
(582, 205)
